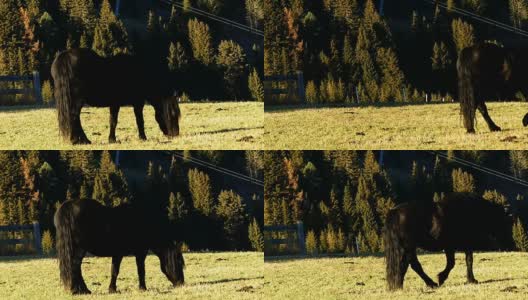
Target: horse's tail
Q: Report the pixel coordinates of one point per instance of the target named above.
(394, 252)
(63, 223)
(62, 73)
(466, 92)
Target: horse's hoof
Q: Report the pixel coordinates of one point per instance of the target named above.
(497, 128)
(112, 140)
(433, 285)
(142, 288)
(441, 279)
(112, 290)
(472, 281)
(471, 131)
(81, 292)
(143, 138)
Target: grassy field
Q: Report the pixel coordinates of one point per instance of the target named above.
(501, 276)
(208, 276)
(427, 126)
(218, 126)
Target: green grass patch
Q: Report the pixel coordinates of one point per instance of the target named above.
(426, 126)
(229, 275)
(500, 276)
(218, 126)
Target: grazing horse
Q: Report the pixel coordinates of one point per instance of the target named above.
(85, 226)
(81, 77)
(459, 222)
(486, 72)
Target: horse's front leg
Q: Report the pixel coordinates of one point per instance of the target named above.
(450, 257)
(484, 111)
(116, 263)
(138, 111)
(114, 113)
(469, 265)
(140, 262)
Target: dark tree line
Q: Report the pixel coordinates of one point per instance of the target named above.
(196, 49)
(214, 212)
(342, 197)
(349, 53)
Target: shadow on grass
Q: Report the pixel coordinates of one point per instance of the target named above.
(286, 108)
(283, 258)
(228, 280)
(229, 130)
(22, 258)
(23, 108)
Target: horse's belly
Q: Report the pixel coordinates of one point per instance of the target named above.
(104, 102)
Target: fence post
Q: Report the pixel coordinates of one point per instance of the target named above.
(36, 237)
(36, 87)
(300, 86)
(300, 235)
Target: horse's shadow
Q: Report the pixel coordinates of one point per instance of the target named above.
(227, 280)
(229, 130)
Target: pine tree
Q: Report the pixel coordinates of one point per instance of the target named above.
(311, 243)
(255, 86)
(311, 93)
(111, 37)
(519, 236)
(231, 60)
(47, 243)
(495, 197)
(341, 240)
(232, 211)
(392, 78)
(177, 59)
(369, 228)
(200, 188)
(331, 239)
(323, 244)
(177, 209)
(200, 39)
(463, 35)
(255, 236)
(462, 181)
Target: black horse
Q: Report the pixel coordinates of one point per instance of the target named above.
(85, 226)
(460, 222)
(82, 77)
(487, 72)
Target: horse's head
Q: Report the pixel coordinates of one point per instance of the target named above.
(168, 116)
(172, 263)
(525, 120)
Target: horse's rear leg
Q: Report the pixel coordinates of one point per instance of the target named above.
(114, 113)
(417, 267)
(442, 276)
(484, 111)
(404, 265)
(78, 136)
(469, 265)
(78, 284)
(140, 262)
(116, 263)
(138, 111)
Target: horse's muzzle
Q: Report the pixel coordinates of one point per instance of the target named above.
(525, 120)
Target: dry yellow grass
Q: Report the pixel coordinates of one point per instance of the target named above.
(428, 126)
(216, 126)
(228, 275)
(501, 276)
